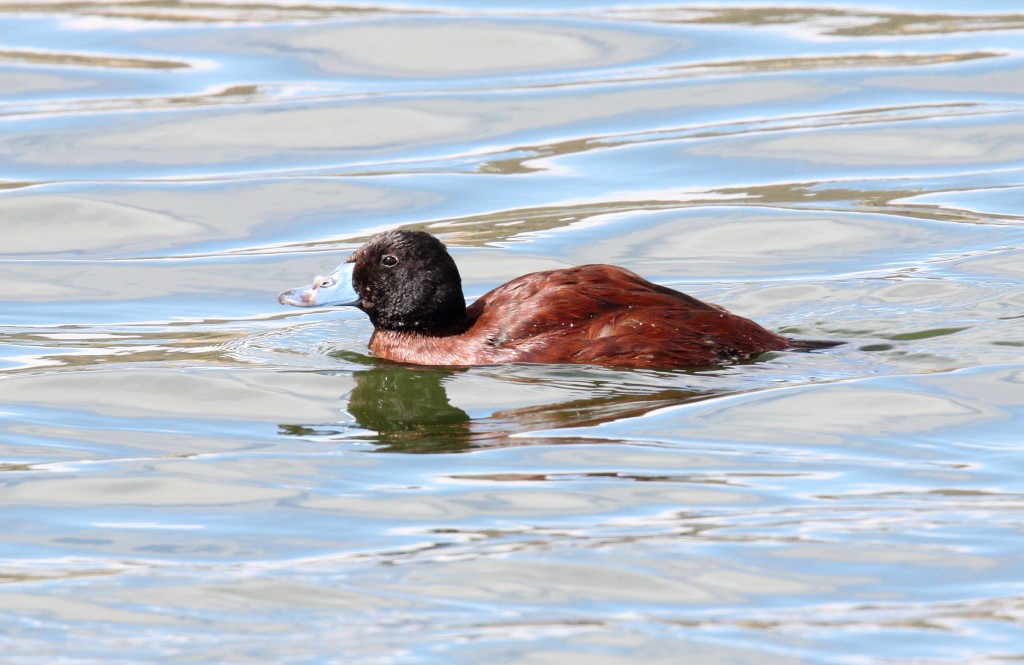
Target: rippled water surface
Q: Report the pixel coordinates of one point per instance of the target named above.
(191, 473)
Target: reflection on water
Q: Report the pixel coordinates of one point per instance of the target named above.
(409, 412)
(404, 409)
(407, 409)
(191, 473)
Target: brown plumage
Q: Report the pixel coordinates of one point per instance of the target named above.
(597, 314)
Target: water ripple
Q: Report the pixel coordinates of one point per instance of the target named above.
(190, 473)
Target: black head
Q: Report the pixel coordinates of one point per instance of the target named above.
(407, 282)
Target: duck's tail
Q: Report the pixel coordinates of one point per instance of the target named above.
(809, 345)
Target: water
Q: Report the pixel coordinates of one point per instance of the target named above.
(191, 473)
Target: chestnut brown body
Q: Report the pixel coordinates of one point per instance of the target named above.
(595, 314)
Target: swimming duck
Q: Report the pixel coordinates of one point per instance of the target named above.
(409, 286)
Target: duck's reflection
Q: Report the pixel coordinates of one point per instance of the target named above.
(403, 408)
(409, 409)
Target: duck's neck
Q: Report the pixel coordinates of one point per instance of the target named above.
(422, 349)
(435, 322)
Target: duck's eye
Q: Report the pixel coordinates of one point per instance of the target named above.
(389, 261)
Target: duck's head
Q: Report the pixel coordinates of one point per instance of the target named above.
(404, 281)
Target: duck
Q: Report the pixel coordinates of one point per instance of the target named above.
(409, 286)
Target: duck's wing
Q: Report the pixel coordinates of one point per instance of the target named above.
(608, 315)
